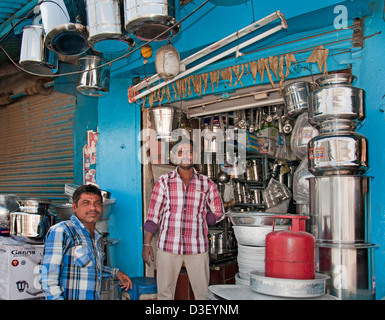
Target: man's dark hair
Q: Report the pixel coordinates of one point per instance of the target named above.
(86, 188)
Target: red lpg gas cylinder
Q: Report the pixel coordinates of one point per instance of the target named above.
(290, 254)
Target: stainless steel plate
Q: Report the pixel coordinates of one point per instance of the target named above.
(292, 288)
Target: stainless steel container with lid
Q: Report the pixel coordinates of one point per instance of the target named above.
(335, 99)
(94, 80)
(350, 268)
(343, 152)
(339, 206)
(65, 26)
(105, 27)
(34, 55)
(147, 19)
(296, 98)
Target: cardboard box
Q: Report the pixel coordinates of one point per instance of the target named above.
(20, 270)
(269, 133)
(266, 146)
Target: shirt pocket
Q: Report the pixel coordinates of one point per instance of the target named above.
(82, 256)
(199, 200)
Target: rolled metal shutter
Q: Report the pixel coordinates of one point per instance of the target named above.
(37, 146)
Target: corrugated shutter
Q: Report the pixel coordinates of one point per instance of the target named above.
(36, 146)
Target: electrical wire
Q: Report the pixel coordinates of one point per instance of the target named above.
(107, 63)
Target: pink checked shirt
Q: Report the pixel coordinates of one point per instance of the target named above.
(180, 211)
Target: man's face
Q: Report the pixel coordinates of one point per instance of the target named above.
(184, 156)
(88, 209)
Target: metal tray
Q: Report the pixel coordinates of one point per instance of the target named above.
(292, 288)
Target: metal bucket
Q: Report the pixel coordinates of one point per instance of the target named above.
(94, 80)
(149, 19)
(34, 205)
(30, 228)
(295, 97)
(105, 27)
(34, 55)
(350, 268)
(163, 118)
(65, 26)
(340, 208)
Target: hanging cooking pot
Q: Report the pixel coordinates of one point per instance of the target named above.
(34, 55)
(105, 27)
(94, 80)
(149, 19)
(65, 26)
(295, 97)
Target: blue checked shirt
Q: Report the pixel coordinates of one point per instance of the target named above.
(72, 263)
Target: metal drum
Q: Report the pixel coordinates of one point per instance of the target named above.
(105, 27)
(340, 208)
(350, 268)
(65, 26)
(34, 55)
(147, 19)
(94, 80)
(295, 97)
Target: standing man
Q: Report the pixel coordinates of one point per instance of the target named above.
(178, 208)
(72, 263)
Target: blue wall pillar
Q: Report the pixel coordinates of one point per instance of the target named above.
(118, 170)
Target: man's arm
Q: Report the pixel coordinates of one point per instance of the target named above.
(50, 270)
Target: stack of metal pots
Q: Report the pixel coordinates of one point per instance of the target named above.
(339, 191)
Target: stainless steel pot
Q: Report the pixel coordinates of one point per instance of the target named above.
(94, 80)
(34, 55)
(35, 205)
(105, 27)
(340, 208)
(30, 228)
(251, 218)
(341, 152)
(350, 268)
(296, 98)
(65, 26)
(336, 101)
(163, 118)
(336, 78)
(147, 19)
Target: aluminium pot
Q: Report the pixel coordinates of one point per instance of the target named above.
(65, 26)
(350, 268)
(94, 78)
(341, 152)
(35, 205)
(340, 208)
(30, 228)
(105, 27)
(151, 19)
(295, 96)
(34, 55)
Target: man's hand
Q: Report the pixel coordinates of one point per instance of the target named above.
(125, 281)
(147, 253)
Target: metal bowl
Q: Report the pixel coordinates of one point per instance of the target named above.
(64, 211)
(254, 235)
(255, 218)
